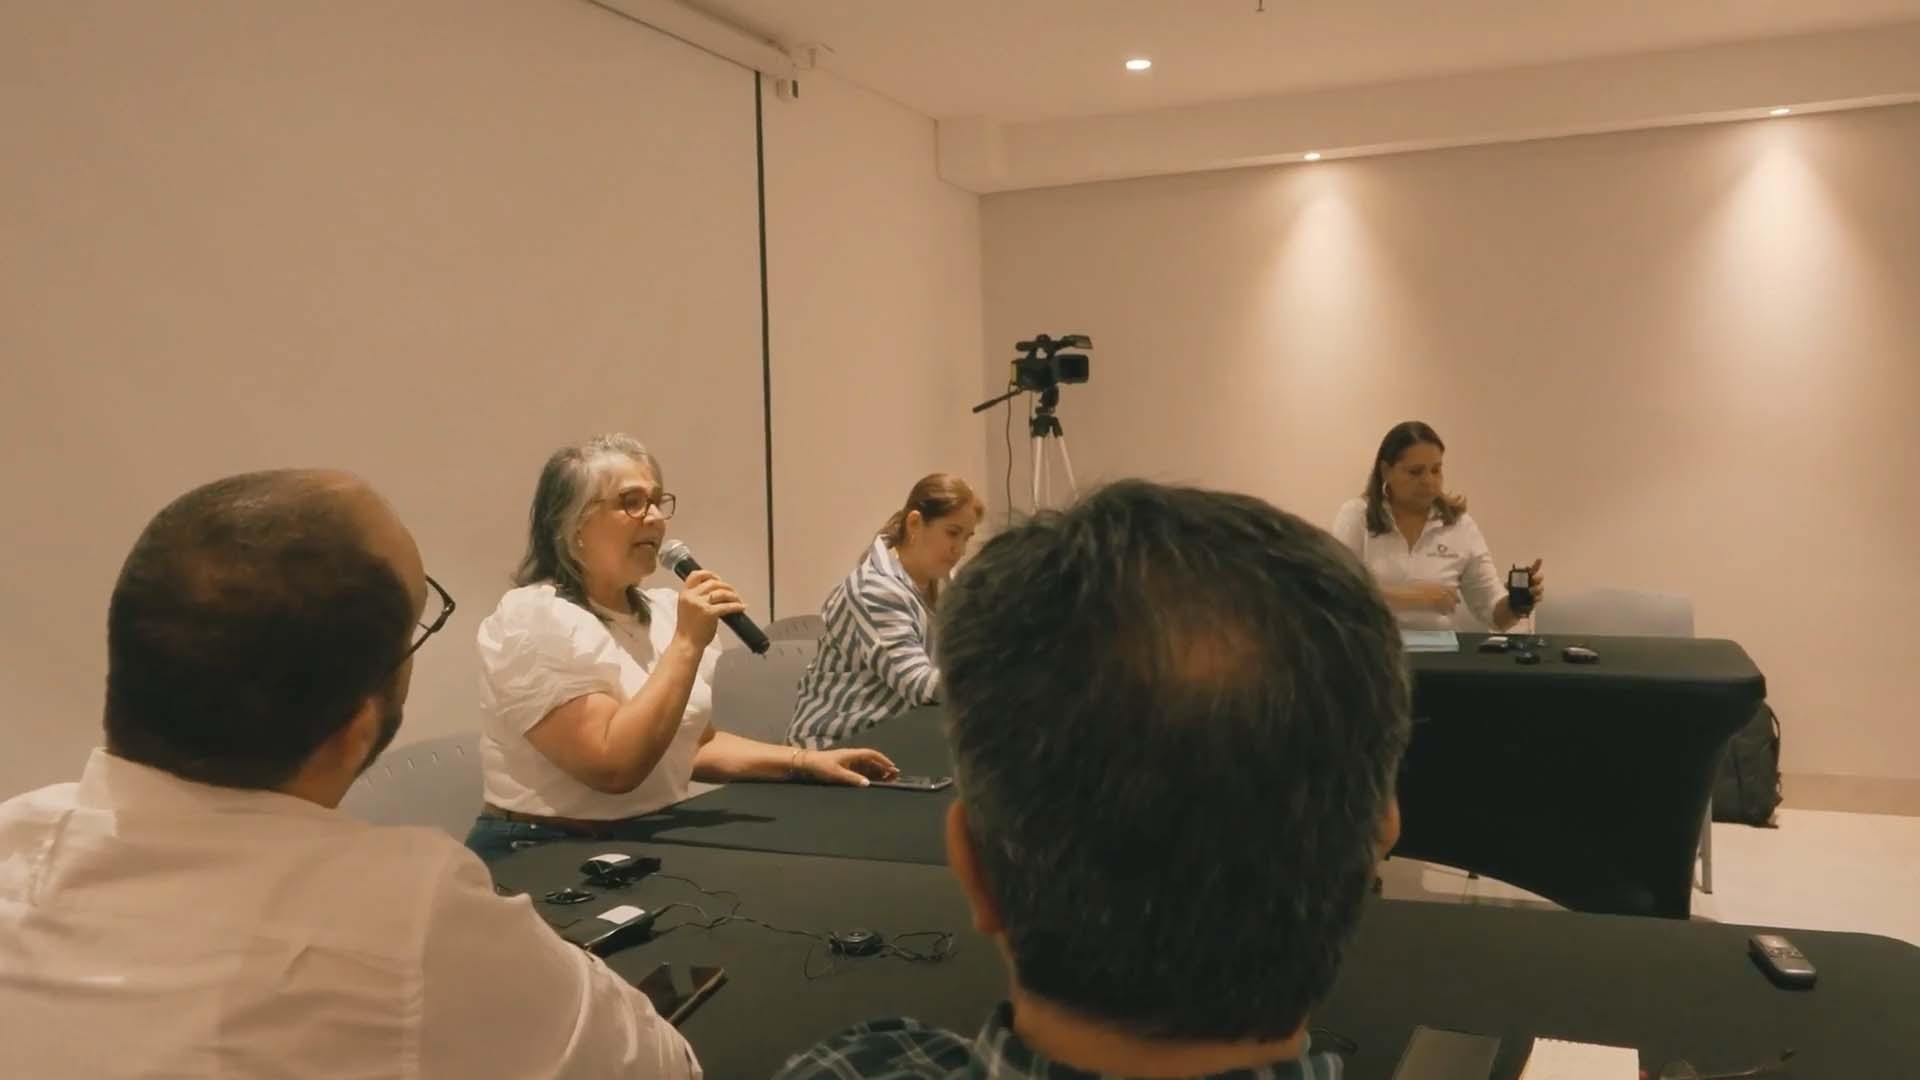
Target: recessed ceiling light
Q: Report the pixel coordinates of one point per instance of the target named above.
(1315, 156)
(1779, 112)
(1139, 63)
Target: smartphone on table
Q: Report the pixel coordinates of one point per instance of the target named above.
(678, 989)
(914, 783)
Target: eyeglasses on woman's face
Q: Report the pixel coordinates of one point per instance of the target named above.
(635, 502)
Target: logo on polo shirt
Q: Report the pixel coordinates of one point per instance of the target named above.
(1441, 549)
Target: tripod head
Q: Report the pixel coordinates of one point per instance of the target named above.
(1044, 423)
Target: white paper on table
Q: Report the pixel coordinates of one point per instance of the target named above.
(1552, 1059)
(1430, 640)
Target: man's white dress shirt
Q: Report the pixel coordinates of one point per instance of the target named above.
(155, 927)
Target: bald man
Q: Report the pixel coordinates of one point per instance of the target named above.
(194, 906)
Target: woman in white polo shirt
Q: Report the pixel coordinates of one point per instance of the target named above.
(1423, 548)
(595, 695)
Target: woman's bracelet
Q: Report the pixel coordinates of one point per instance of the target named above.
(793, 767)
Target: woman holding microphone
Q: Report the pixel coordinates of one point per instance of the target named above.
(1424, 549)
(596, 695)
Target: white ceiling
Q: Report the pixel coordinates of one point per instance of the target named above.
(1024, 60)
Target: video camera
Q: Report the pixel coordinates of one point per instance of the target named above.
(1042, 364)
(1041, 367)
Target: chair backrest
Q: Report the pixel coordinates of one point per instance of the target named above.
(432, 782)
(797, 628)
(753, 696)
(1619, 612)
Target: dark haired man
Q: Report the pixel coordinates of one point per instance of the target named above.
(194, 906)
(1176, 718)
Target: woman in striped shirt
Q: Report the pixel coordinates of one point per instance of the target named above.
(875, 660)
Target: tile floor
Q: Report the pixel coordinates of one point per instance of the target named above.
(1820, 870)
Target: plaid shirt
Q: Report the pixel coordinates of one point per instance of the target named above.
(908, 1050)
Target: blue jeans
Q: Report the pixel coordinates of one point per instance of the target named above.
(494, 838)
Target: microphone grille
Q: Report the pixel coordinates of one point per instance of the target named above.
(672, 552)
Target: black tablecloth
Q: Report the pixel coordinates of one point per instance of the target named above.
(769, 1008)
(1669, 988)
(1584, 783)
(826, 819)
(1587, 784)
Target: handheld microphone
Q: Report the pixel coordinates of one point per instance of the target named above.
(678, 559)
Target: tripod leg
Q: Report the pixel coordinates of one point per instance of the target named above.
(1066, 460)
(1039, 445)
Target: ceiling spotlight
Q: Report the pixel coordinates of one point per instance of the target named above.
(1315, 156)
(1139, 63)
(1782, 111)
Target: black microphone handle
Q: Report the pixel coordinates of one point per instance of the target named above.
(739, 622)
(743, 627)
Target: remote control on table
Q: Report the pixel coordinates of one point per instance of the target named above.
(1783, 963)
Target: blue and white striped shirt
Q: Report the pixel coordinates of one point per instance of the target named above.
(874, 661)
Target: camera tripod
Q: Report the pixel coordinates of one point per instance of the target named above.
(1044, 427)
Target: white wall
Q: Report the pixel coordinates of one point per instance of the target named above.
(874, 285)
(427, 241)
(1685, 359)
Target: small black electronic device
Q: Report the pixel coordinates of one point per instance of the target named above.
(1496, 643)
(1580, 654)
(677, 990)
(610, 931)
(568, 895)
(1520, 590)
(914, 783)
(856, 942)
(618, 868)
(1786, 965)
(1526, 656)
(1438, 1054)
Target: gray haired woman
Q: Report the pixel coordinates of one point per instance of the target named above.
(595, 694)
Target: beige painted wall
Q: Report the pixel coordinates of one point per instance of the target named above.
(874, 279)
(427, 241)
(1685, 359)
(430, 244)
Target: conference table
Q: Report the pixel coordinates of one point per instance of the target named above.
(1616, 760)
(1586, 784)
(1672, 989)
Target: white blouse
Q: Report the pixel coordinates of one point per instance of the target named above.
(539, 651)
(1453, 555)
